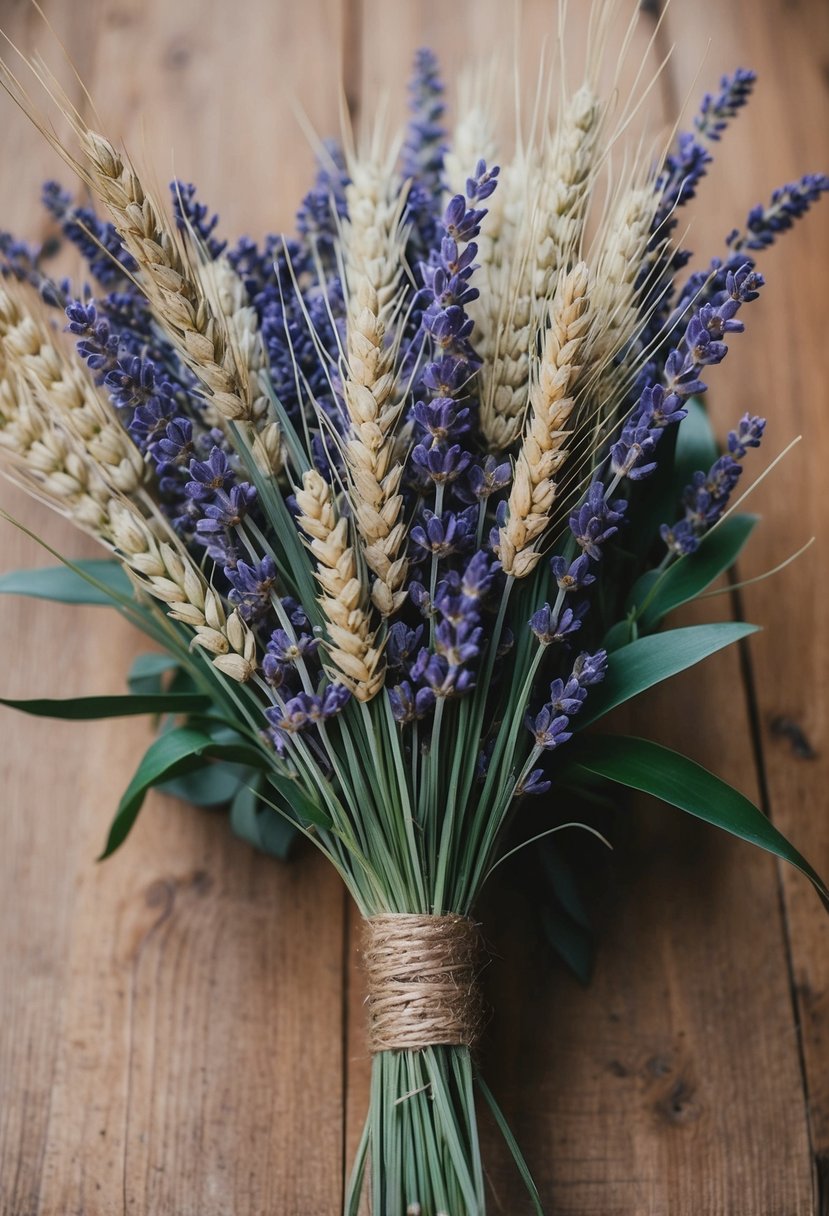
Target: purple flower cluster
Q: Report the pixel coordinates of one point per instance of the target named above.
(421, 163)
(706, 498)
(550, 727)
(700, 346)
(439, 417)
(445, 668)
(684, 167)
(788, 204)
(195, 218)
(96, 239)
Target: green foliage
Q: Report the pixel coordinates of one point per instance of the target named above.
(680, 782)
(659, 592)
(86, 708)
(148, 671)
(650, 660)
(177, 751)
(260, 825)
(96, 581)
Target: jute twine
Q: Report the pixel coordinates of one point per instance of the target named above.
(422, 988)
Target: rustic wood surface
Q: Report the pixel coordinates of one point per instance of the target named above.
(181, 1028)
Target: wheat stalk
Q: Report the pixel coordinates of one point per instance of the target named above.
(551, 403)
(344, 598)
(372, 263)
(64, 391)
(622, 249)
(48, 462)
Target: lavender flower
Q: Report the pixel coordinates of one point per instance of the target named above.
(194, 218)
(98, 240)
(251, 588)
(788, 204)
(706, 498)
(550, 725)
(423, 149)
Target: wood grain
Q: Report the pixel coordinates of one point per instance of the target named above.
(171, 1021)
(182, 1027)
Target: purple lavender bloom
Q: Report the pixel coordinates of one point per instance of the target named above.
(408, 705)
(567, 697)
(98, 240)
(572, 576)
(402, 643)
(443, 535)
(488, 478)
(209, 475)
(289, 650)
(423, 149)
(716, 109)
(749, 434)
(252, 587)
(706, 498)
(549, 726)
(323, 207)
(227, 510)
(590, 669)
(548, 629)
(788, 204)
(194, 218)
(444, 297)
(550, 730)
(596, 520)
(176, 445)
(534, 783)
(306, 709)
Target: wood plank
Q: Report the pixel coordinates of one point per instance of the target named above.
(660, 1088)
(781, 372)
(157, 1054)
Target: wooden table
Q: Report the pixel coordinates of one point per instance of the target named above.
(181, 1028)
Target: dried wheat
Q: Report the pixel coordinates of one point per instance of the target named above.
(64, 391)
(344, 598)
(372, 256)
(542, 450)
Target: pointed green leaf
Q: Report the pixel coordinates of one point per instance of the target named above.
(650, 660)
(298, 800)
(209, 786)
(67, 586)
(673, 778)
(169, 755)
(260, 825)
(84, 708)
(147, 672)
(696, 446)
(655, 597)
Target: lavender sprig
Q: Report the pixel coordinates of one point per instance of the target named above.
(707, 497)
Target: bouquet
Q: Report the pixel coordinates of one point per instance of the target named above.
(403, 502)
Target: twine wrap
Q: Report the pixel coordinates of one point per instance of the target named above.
(422, 988)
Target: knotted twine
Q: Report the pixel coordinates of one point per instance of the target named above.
(422, 989)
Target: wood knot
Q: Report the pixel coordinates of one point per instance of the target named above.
(422, 981)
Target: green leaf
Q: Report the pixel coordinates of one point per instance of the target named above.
(67, 586)
(618, 635)
(260, 825)
(84, 708)
(168, 756)
(298, 800)
(696, 447)
(646, 766)
(147, 672)
(650, 660)
(682, 582)
(209, 786)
